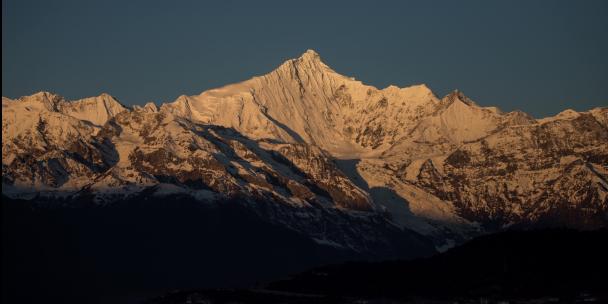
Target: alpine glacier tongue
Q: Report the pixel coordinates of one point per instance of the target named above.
(308, 147)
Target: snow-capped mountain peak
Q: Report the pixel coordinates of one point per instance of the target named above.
(97, 110)
(304, 137)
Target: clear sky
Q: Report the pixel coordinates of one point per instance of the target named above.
(537, 56)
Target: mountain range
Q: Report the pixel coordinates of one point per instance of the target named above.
(344, 164)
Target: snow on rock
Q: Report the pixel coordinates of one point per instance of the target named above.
(310, 145)
(97, 110)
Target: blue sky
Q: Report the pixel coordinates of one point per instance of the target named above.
(537, 56)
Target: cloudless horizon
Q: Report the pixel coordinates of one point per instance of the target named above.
(540, 57)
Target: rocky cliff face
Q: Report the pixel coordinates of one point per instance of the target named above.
(320, 148)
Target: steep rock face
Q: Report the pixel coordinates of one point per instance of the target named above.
(304, 141)
(323, 173)
(553, 172)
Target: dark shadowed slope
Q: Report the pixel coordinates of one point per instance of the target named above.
(145, 247)
(513, 264)
(548, 266)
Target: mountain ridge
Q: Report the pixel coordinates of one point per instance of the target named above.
(307, 137)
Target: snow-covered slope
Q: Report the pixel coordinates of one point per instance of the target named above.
(304, 100)
(45, 149)
(314, 143)
(96, 110)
